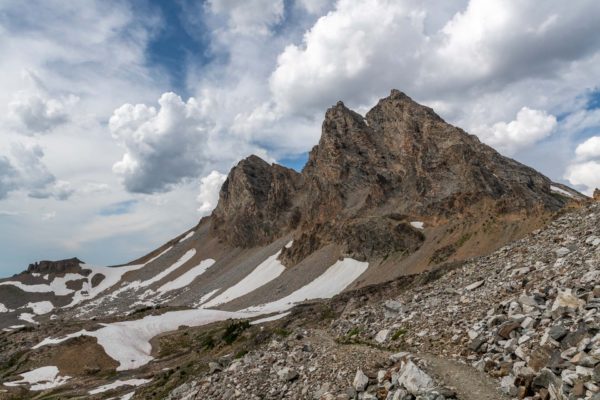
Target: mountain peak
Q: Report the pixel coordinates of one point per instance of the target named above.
(402, 159)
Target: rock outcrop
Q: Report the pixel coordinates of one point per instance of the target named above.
(596, 194)
(368, 178)
(57, 267)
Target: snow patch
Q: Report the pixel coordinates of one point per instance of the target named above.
(12, 328)
(269, 319)
(268, 270)
(182, 260)
(188, 277)
(119, 383)
(27, 317)
(40, 379)
(112, 275)
(159, 255)
(3, 309)
(128, 342)
(335, 279)
(558, 190)
(417, 224)
(186, 237)
(206, 297)
(40, 308)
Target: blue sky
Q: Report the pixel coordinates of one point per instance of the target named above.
(120, 119)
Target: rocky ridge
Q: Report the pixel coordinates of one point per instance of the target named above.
(369, 177)
(527, 316)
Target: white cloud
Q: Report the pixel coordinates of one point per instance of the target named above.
(353, 52)
(529, 127)
(29, 173)
(210, 187)
(164, 146)
(586, 174)
(589, 149)
(37, 113)
(249, 16)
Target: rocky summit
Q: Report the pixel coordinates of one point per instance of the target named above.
(407, 260)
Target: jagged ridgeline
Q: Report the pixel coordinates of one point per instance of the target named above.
(372, 184)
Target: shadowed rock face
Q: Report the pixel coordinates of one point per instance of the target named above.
(401, 159)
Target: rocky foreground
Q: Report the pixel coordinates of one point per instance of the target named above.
(527, 317)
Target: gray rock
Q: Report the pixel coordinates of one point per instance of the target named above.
(361, 381)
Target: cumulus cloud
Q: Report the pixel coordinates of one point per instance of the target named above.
(210, 186)
(529, 127)
(343, 52)
(585, 174)
(37, 113)
(164, 146)
(360, 50)
(249, 16)
(589, 149)
(28, 172)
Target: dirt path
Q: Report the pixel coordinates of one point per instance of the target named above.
(468, 383)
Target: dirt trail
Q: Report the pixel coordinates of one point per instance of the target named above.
(468, 383)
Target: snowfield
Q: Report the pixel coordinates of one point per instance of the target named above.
(40, 308)
(335, 279)
(58, 286)
(40, 379)
(119, 383)
(112, 276)
(268, 270)
(182, 260)
(128, 342)
(188, 277)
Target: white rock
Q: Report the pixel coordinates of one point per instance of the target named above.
(474, 285)
(415, 380)
(360, 381)
(382, 335)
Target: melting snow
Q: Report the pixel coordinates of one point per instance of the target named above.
(206, 297)
(128, 342)
(268, 270)
(119, 383)
(331, 282)
(27, 317)
(40, 379)
(112, 275)
(182, 260)
(12, 328)
(188, 277)
(269, 319)
(186, 237)
(158, 256)
(417, 224)
(41, 308)
(556, 189)
(58, 286)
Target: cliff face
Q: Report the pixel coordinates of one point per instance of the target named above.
(256, 203)
(368, 178)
